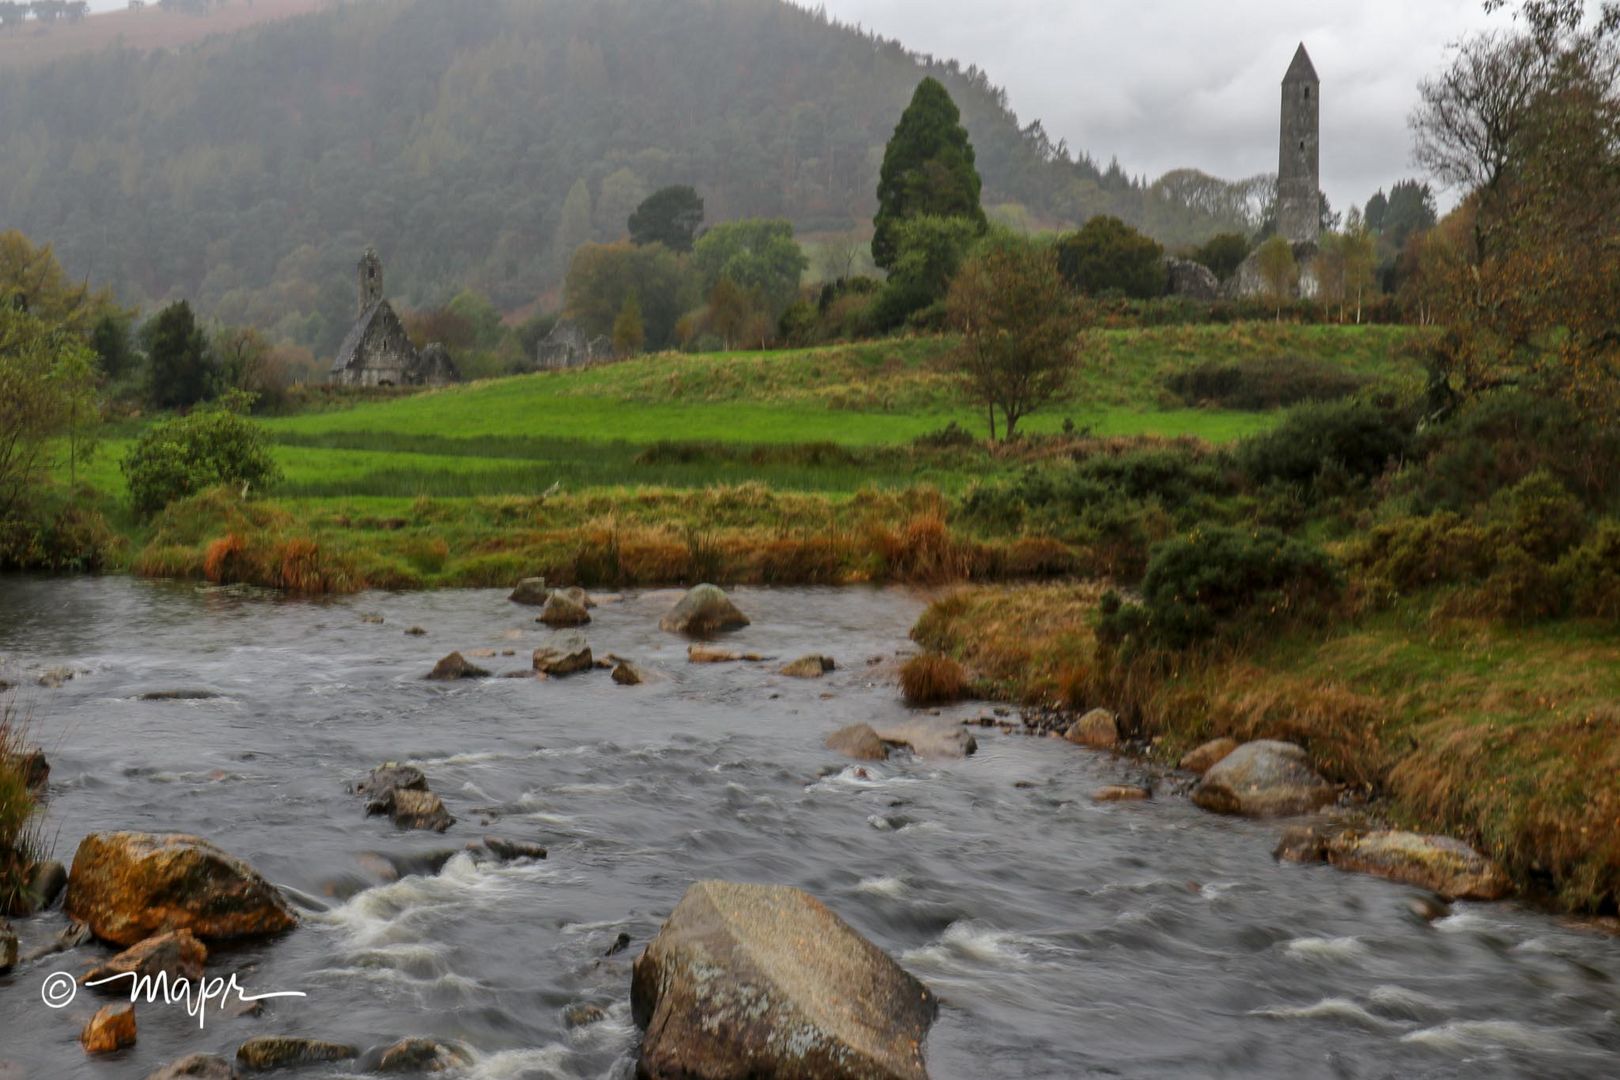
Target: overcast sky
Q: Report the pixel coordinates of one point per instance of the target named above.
(1163, 84)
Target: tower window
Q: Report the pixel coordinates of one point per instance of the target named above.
(1302, 144)
(1307, 93)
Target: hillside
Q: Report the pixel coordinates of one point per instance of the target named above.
(476, 144)
(146, 29)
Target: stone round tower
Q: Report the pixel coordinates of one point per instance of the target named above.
(371, 279)
(1299, 172)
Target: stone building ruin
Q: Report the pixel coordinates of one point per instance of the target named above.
(377, 351)
(568, 346)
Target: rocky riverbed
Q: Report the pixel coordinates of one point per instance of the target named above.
(1060, 932)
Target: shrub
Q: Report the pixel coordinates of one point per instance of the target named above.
(1222, 581)
(1540, 516)
(181, 457)
(1419, 552)
(1360, 437)
(1267, 383)
(932, 679)
(1590, 575)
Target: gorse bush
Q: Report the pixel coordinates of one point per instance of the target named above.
(1265, 383)
(1352, 438)
(180, 457)
(1221, 582)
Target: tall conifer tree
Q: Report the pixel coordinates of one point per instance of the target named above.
(928, 168)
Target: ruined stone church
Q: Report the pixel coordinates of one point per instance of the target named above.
(377, 351)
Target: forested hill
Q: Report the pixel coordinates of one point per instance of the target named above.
(476, 143)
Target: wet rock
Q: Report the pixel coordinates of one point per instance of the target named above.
(56, 678)
(1264, 779)
(578, 596)
(177, 954)
(265, 1052)
(513, 850)
(372, 618)
(196, 1067)
(703, 610)
(757, 980)
(620, 943)
(35, 769)
(627, 674)
(1428, 908)
(46, 881)
(1208, 755)
(72, 936)
(1098, 729)
(179, 695)
(568, 655)
(1120, 793)
(1302, 844)
(479, 654)
(562, 610)
(860, 742)
(531, 591)
(929, 738)
(128, 886)
(1440, 864)
(455, 666)
(421, 1056)
(8, 947)
(110, 1030)
(416, 631)
(419, 810)
(387, 778)
(709, 654)
(578, 1016)
(809, 667)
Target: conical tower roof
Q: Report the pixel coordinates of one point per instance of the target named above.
(1301, 70)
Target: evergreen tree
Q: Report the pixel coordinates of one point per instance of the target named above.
(669, 216)
(928, 168)
(181, 364)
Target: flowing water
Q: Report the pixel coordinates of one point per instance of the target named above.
(1066, 939)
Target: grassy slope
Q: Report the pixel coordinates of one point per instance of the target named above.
(1503, 735)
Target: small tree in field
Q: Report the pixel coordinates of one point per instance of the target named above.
(1278, 270)
(1018, 327)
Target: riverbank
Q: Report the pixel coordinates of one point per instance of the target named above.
(1504, 736)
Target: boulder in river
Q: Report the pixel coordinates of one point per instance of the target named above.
(419, 810)
(110, 1030)
(562, 610)
(387, 778)
(513, 850)
(421, 1056)
(195, 1067)
(531, 591)
(1438, 863)
(128, 886)
(35, 769)
(760, 980)
(810, 667)
(1207, 756)
(1098, 729)
(8, 947)
(265, 1052)
(455, 666)
(860, 742)
(1120, 793)
(627, 674)
(177, 954)
(56, 678)
(711, 654)
(930, 739)
(1264, 779)
(567, 655)
(704, 610)
(45, 883)
(578, 596)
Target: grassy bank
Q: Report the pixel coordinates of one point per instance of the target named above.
(1505, 735)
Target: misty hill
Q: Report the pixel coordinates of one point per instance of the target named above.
(477, 143)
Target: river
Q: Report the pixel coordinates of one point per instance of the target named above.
(1065, 938)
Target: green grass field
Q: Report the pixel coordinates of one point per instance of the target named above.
(590, 429)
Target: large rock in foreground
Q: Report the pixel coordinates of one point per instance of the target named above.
(704, 610)
(1264, 779)
(128, 886)
(765, 981)
(1437, 863)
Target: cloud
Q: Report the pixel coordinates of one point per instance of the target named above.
(1163, 84)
